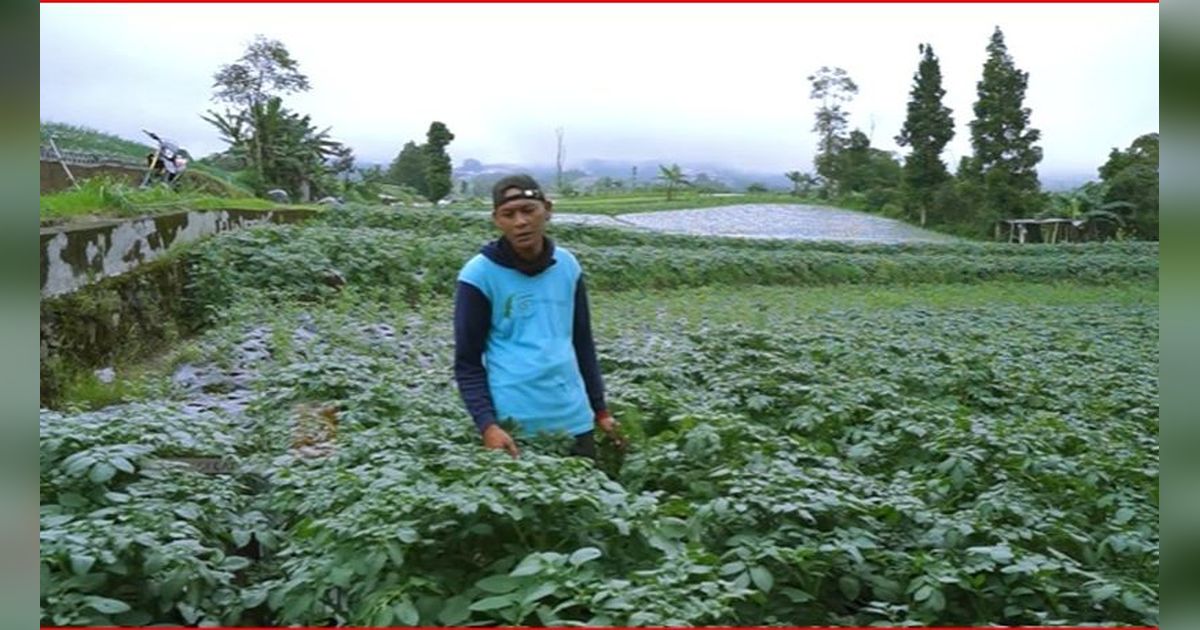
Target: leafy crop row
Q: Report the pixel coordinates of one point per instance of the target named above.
(419, 254)
(947, 466)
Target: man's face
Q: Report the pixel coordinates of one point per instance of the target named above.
(523, 221)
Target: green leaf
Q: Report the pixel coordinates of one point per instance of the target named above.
(154, 562)
(101, 472)
(493, 603)
(922, 593)
(106, 605)
(1001, 554)
(531, 565)
(117, 497)
(297, 606)
(395, 552)
(1104, 592)
(547, 617)
(850, 587)
(235, 563)
(729, 568)
(77, 464)
(188, 612)
(498, 584)
(762, 578)
(937, 601)
(122, 464)
(1133, 602)
(742, 581)
(455, 611)
(71, 500)
(860, 451)
(384, 616)
(341, 576)
(254, 597)
(796, 595)
(241, 537)
(1123, 516)
(672, 527)
(406, 612)
(81, 564)
(583, 555)
(538, 592)
(174, 584)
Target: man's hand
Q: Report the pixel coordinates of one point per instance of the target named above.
(605, 422)
(496, 438)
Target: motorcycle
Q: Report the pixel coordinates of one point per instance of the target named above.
(166, 164)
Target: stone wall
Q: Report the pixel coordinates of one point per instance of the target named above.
(75, 256)
(118, 291)
(113, 320)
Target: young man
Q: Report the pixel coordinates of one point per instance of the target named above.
(522, 330)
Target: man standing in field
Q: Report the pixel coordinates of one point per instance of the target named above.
(523, 344)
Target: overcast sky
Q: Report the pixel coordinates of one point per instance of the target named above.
(686, 83)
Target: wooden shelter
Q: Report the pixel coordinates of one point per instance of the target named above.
(1042, 230)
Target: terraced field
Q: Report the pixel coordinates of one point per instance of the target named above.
(821, 433)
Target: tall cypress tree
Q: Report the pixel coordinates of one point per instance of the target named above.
(928, 128)
(438, 168)
(1006, 158)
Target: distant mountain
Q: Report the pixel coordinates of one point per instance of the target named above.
(1061, 182)
(647, 172)
(588, 170)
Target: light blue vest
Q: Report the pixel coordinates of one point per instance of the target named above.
(532, 371)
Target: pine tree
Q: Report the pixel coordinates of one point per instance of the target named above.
(1006, 158)
(438, 168)
(928, 128)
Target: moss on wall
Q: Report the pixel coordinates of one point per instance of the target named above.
(115, 320)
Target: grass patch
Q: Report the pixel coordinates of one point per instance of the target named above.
(107, 197)
(759, 306)
(201, 186)
(642, 202)
(143, 381)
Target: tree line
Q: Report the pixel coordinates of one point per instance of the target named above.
(273, 147)
(999, 180)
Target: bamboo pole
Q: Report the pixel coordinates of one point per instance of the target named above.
(58, 154)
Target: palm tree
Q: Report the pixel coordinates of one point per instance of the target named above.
(673, 176)
(1086, 204)
(279, 146)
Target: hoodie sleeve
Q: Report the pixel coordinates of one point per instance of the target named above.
(585, 349)
(472, 318)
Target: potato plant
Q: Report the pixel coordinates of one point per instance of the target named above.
(948, 464)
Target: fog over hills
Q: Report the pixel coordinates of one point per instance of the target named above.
(647, 172)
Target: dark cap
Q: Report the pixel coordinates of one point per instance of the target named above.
(525, 188)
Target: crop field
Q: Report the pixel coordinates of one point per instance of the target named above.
(820, 434)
